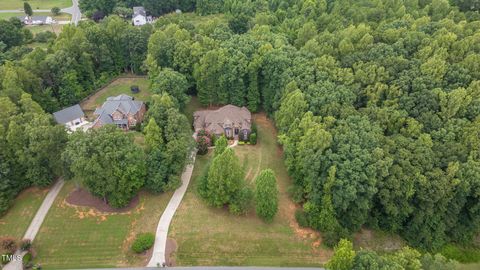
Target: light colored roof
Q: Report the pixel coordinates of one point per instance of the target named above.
(227, 116)
(122, 103)
(68, 114)
(139, 11)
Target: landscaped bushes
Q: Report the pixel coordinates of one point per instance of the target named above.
(143, 242)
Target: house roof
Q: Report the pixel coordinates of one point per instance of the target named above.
(68, 114)
(123, 103)
(139, 11)
(226, 117)
(33, 18)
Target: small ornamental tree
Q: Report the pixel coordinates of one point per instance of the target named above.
(143, 242)
(202, 144)
(55, 11)
(343, 256)
(28, 9)
(266, 195)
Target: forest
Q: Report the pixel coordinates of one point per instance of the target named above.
(376, 102)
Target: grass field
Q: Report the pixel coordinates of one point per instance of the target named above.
(210, 236)
(15, 222)
(80, 237)
(35, 4)
(117, 87)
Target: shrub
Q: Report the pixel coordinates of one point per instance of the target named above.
(55, 11)
(253, 138)
(203, 142)
(8, 244)
(27, 258)
(143, 242)
(26, 244)
(254, 129)
(301, 218)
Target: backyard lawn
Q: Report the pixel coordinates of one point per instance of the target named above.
(15, 222)
(117, 87)
(210, 236)
(35, 4)
(81, 237)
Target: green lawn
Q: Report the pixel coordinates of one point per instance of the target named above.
(35, 4)
(117, 87)
(210, 236)
(60, 17)
(80, 237)
(16, 221)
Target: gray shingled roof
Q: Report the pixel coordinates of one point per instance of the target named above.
(139, 11)
(68, 114)
(123, 103)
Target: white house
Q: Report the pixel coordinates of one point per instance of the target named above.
(139, 17)
(36, 20)
(72, 117)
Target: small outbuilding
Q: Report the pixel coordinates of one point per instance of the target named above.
(72, 117)
(139, 17)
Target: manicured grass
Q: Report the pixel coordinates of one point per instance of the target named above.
(60, 17)
(17, 219)
(35, 4)
(211, 236)
(81, 237)
(56, 28)
(461, 254)
(117, 87)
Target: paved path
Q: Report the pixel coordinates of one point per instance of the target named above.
(37, 222)
(158, 256)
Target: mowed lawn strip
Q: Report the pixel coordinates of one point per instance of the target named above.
(35, 4)
(117, 87)
(17, 219)
(211, 236)
(80, 237)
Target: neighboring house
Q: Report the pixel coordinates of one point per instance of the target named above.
(139, 17)
(229, 120)
(71, 117)
(123, 111)
(36, 20)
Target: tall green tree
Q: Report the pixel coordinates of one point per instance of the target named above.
(266, 195)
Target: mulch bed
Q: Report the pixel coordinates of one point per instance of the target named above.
(170, 248)
(81, 197)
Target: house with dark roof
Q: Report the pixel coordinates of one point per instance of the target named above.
(123, 111)
(229, 120)
(71, 117)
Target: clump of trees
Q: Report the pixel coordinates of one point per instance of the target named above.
(108, 163)
(346, 258)
(153, 7)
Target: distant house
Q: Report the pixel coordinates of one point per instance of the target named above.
(122, 111)
(229, 120)
(139, 17)
(36, 20)
(71, 117)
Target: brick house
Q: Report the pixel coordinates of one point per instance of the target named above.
(123, 111)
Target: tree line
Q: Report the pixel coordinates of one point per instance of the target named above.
(376, 103)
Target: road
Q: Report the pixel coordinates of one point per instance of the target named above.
(158, 255)
(37, 222)
(74, 10)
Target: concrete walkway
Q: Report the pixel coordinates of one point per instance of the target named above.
(37, 223)
(158, 256)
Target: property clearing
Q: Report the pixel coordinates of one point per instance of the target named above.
(15, 222)
(83, 237)
(115, 88)
(211, 236)
(35, 4)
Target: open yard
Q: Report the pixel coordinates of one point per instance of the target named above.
(80, 237)
(15, 222)
(117, 87)
(210, 236)
(36, 4)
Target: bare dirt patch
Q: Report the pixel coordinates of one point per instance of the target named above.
(81, 197)
(170, 249)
